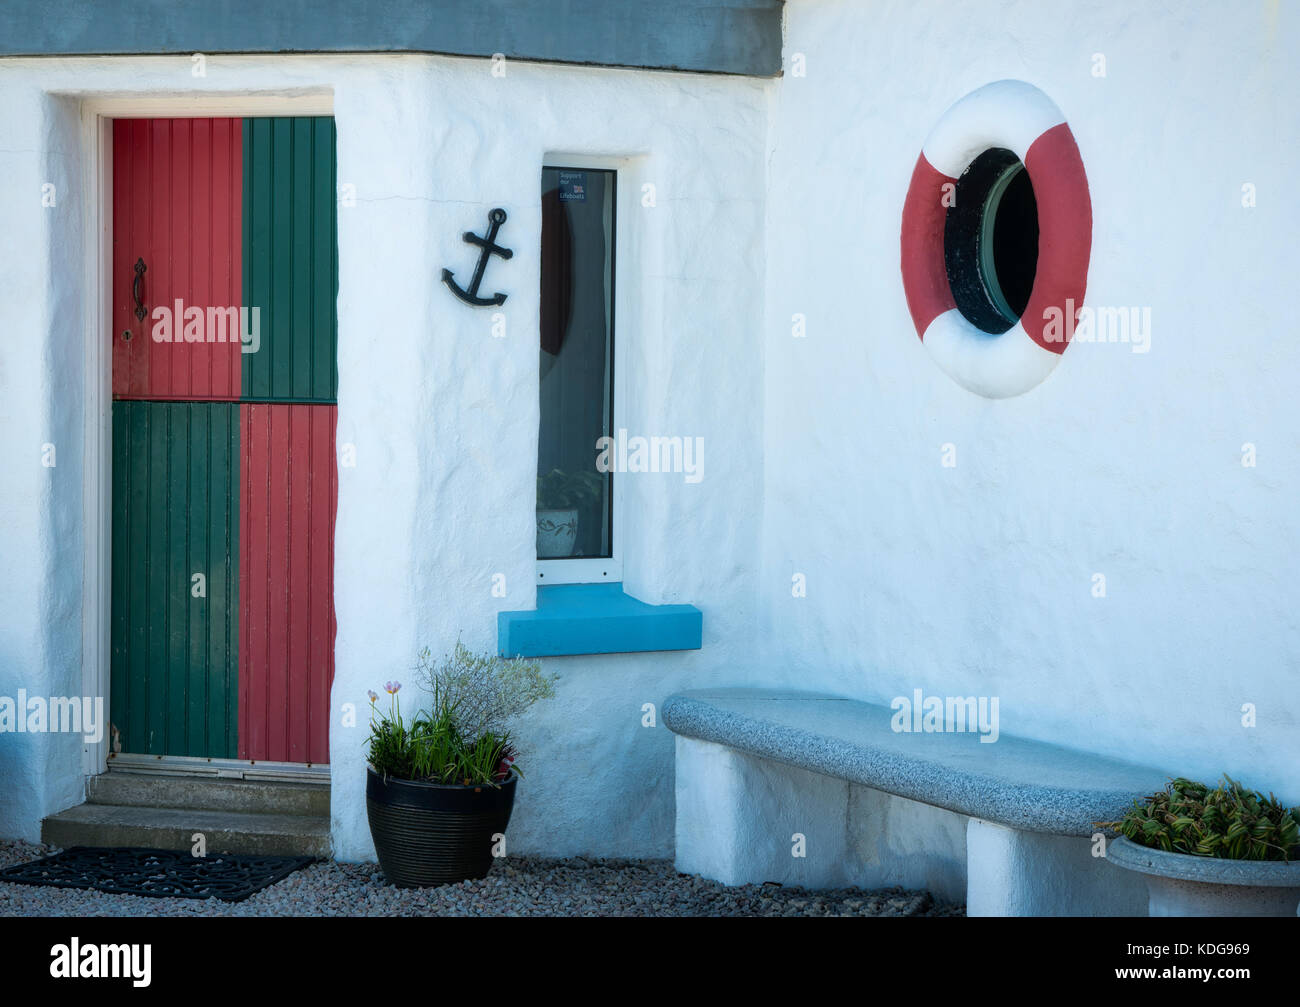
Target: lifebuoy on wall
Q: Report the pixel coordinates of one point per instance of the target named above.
(1007, 115)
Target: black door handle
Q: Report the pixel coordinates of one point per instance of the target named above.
(140, 267)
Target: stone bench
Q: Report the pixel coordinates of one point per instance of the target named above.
(1007, 826)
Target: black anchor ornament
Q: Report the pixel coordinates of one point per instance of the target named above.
(496, 217)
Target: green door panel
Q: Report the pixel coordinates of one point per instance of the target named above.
(175, 641)
(290, 258)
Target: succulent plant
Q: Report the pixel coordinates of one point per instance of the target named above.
(1228, 821)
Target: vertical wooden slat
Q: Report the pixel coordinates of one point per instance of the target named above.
(289, 479)
(323, 507)
(123, 589)
(204, 427)
(297, 574)
(179, 210)
(278, 517)
(227, 207)
(281, 335)
(175, 589)
(202, 375)
(257, 234)
(221, 644)
(253, 622)
(325, 266)
(157, 576)
(137, 520)
(160, 279)
(300, 250)
(141, 178)
(122, 350)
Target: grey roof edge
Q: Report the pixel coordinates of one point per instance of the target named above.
(1043, 808)
(1214, 870)
(741, 37)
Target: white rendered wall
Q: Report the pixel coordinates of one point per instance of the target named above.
(443, 416)
(822, 454)
(977, 579)
(41, 378)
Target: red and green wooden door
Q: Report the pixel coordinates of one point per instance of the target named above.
(224, 416)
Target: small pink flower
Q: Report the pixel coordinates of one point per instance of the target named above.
(372, 694)
(392, 687)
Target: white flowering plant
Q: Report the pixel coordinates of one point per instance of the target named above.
(464, 737)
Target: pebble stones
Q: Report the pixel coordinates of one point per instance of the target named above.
(517, 886)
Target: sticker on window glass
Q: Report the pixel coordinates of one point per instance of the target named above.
(573, 186)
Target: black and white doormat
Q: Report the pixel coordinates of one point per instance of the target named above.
(156, 873)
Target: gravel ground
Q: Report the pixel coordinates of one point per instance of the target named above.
(518, 886)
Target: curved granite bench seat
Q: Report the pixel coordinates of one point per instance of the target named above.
(756, 767)
(1013, 781)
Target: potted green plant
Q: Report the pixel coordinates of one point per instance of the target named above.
(562, 498)
(440, 787)
(1226, 851)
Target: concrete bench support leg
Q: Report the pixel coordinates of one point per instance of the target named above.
(736, 818)
(1015, 873)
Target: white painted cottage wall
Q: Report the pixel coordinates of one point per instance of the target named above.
(40, 507)
(447, 142)
(443, 416)
(822, 455)
(976, 580)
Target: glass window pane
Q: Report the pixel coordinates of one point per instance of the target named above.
(577, 363)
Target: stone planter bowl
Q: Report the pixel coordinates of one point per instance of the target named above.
(1182, 885)
(428, 834)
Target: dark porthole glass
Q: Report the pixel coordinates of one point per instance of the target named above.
(990, 241)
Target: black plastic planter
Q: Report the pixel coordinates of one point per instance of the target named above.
(433, 834)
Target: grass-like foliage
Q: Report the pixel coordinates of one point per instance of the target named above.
(463, 737)
(1228, 821)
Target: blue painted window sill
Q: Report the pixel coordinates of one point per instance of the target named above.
(596, 619)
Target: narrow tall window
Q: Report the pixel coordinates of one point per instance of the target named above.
(574, 499)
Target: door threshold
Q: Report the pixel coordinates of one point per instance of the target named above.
(218, 769)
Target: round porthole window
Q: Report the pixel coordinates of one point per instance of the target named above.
(990, 241)
(996, 236)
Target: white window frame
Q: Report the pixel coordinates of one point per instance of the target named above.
(606, 570)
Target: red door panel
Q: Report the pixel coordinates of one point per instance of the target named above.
(288, 490)
(177, 205)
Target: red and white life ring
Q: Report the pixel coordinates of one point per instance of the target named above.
(1019, 117)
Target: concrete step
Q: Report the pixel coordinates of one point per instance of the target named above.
(149, 790)
(174, 829)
